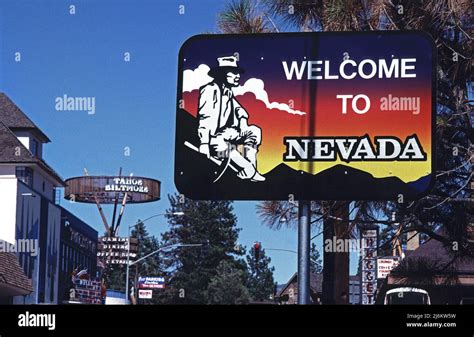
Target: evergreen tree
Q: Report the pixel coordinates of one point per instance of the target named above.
(150, 266)
(115, 275)
(316, 263)
(260, 280)
(386, 236)
(191, 269)
(227, 286)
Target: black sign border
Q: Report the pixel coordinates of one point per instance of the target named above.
(421, 33)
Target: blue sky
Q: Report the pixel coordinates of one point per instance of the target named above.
(83, 55)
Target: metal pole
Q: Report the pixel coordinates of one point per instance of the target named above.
(176, 245)
(128, 265)
(128, 248)
(116, 202)
(290, 251)
(122, 209)
(304, 237)
(101, 211)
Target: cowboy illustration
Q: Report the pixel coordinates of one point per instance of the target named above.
(223, 122)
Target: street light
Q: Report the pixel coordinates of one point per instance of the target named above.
(128, 244)
(176, 245)
(289, 251)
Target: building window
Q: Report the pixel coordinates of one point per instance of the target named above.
(34, 147)
(25, 174)
(56, 195)
(63, 258)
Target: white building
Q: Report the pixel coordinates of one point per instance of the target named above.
(27, 206)
(354, 289)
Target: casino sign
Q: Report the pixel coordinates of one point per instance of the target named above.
(115, 190)
(89, 189)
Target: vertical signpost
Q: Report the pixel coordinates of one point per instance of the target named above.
(337, 116)
(304, 237)
(369, 241)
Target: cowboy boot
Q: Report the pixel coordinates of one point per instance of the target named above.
(247, 169)
(251, 156)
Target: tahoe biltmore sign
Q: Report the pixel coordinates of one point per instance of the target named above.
(126, 184)
(109, 189)
(333, 116)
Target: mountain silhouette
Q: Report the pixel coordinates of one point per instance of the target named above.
(423, 183)
(194, 176)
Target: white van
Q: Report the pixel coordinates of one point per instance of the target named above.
(407, 295)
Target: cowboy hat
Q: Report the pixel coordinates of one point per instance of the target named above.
(226, 64)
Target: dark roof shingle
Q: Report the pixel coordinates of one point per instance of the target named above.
(315, 280)
(13, 151)
(435, 250)
(12, 276)
(13, 118)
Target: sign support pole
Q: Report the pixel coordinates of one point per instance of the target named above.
(127, 295)
(304, 238)
(99, 207)
(116, 202)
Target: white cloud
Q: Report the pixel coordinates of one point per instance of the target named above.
(195, 79)
(257, 87)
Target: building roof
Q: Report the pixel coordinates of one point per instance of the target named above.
(13, 151)
(435, 250)
(316, 283)
(15, 119)
(79, 225)
(13, 281)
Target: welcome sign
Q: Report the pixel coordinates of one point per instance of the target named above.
(333, 116)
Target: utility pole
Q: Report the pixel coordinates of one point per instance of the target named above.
(304, 238)
(470, 228)
(128, 249)
(336, 264)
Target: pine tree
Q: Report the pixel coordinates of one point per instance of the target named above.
(115, 275)
(386, 236)
(190, 269)
(150, 266)
(260, 280)
(227, 286)
(316, 263)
